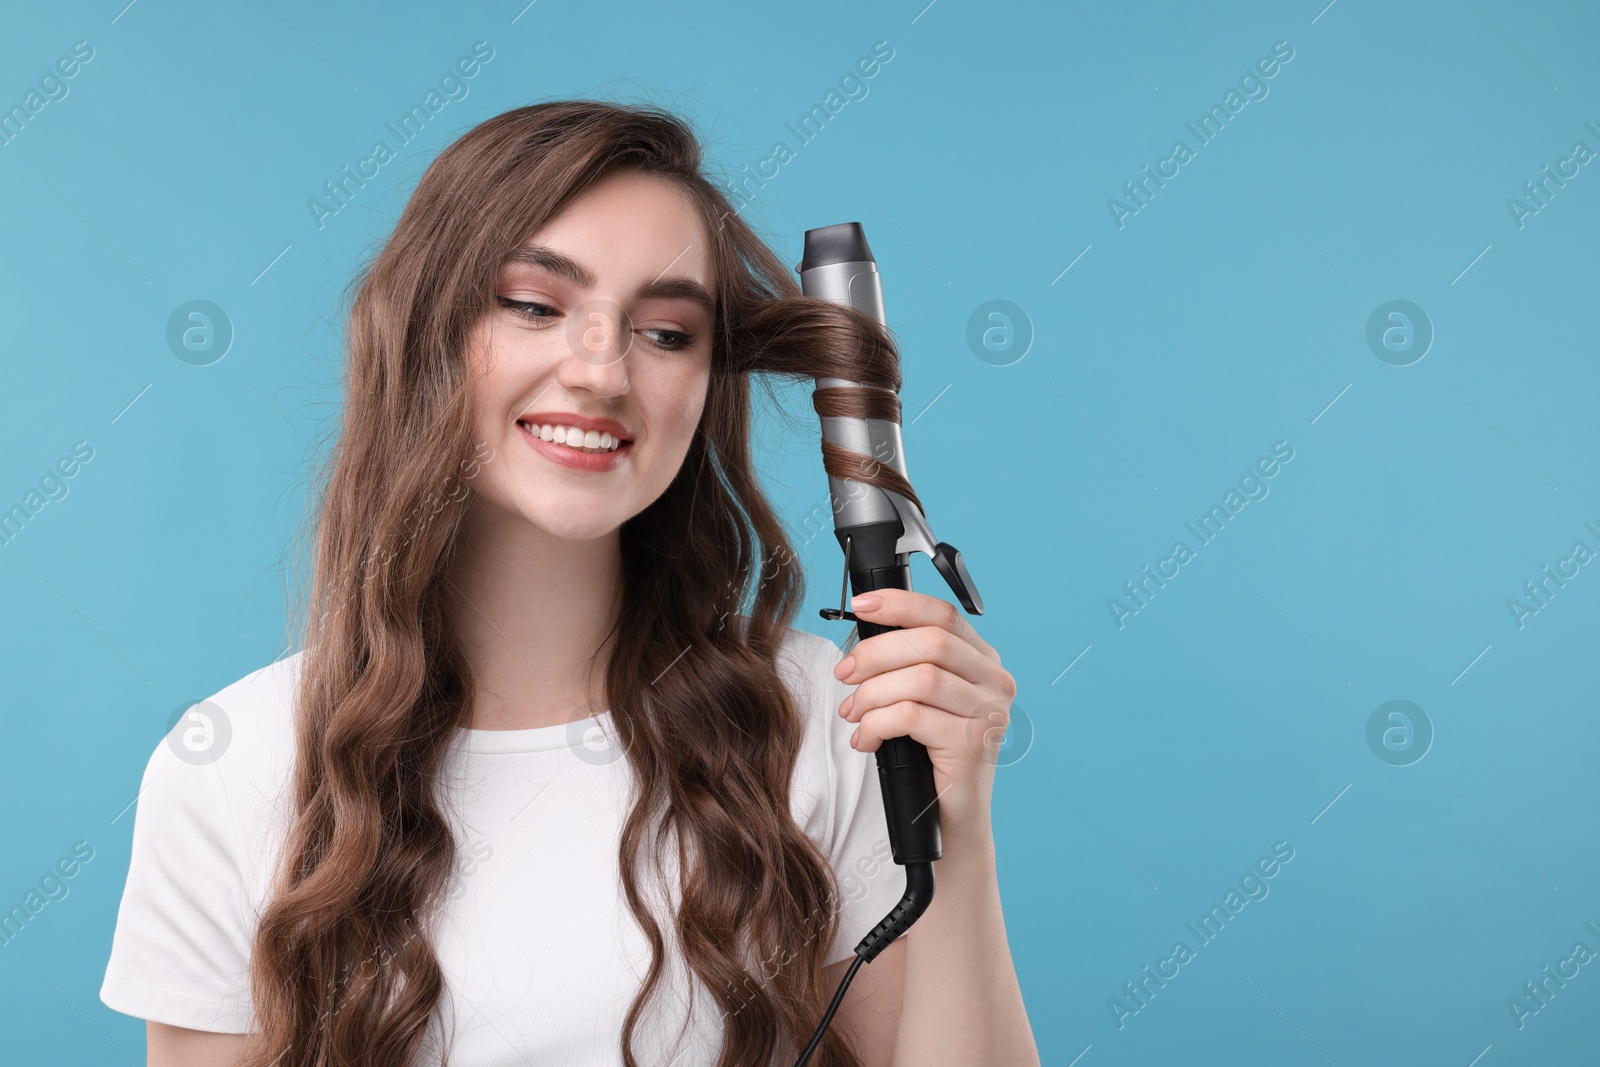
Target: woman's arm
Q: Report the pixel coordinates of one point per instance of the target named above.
(175, 1046)
(963, 1004)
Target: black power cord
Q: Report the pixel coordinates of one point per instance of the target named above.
(816, 1038)
(918, 895)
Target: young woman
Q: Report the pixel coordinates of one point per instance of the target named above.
(554, 779)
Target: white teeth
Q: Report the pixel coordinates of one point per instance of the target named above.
(572, 437)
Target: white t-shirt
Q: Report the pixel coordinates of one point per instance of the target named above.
(541, 955)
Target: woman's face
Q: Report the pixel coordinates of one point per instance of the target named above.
(600, 324)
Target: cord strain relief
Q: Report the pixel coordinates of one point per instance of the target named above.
(918, 895)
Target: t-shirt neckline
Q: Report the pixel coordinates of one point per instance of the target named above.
(533, 739)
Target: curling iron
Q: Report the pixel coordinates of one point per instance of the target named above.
(877, 526)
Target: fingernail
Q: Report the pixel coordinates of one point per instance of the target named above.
(844, 667)
(866, 602)
(854, 736)
(844, 708)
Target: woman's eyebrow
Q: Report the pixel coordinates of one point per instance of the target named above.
(680, 288)
(563, 265)
(557, 262)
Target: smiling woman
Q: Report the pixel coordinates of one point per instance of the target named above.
(586, 665)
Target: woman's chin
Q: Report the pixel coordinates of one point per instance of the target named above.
(561, 526)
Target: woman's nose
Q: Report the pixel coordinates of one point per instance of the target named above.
(599, 336)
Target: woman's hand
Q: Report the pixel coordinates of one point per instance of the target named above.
(936, 680)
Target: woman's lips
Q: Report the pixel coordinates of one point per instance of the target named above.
(574, 459)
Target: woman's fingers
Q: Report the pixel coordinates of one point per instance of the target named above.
(922, 644)
(921, 681)
(907, 608)
(932, 679)
(961, 738)
(936, 729)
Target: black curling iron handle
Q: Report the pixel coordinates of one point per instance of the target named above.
(910, 801)
(905, 773)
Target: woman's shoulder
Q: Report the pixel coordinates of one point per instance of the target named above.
(231, 754)
(249, 718)
(208, 825)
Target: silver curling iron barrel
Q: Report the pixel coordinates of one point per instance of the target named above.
(878, 529)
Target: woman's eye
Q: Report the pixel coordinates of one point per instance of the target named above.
(527, 308)
(673, 340)
(670, 340)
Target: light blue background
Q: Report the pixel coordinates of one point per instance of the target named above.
(1230, 313)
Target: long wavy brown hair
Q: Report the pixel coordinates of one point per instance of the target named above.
(343, 970)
